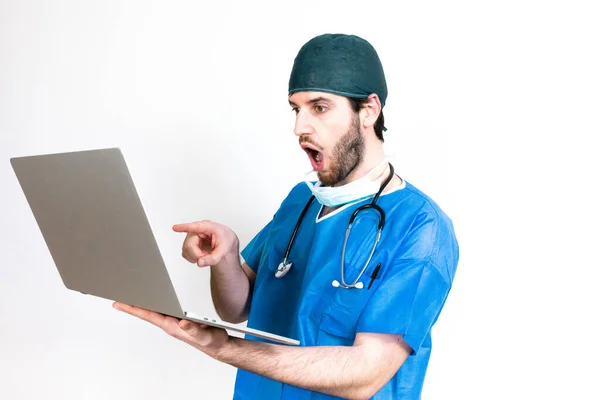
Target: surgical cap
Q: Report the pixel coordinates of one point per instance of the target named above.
(346, 65)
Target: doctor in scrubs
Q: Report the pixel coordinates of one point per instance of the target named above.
(361, 301)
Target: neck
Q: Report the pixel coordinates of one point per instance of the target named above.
(373, 157)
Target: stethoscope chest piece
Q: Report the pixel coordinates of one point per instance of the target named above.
(283, 269)
(357, 285)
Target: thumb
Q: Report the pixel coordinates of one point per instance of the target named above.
(193, 329)
(211, 258)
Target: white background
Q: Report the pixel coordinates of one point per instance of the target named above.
(493, 111)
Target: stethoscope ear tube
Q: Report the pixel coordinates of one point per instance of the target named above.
(365, 207)
(291, 241)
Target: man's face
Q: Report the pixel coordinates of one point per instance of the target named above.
(330, 133)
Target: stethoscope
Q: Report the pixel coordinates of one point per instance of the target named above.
(285, 265)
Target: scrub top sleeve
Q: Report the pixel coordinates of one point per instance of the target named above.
(408, 301)
(253, 251)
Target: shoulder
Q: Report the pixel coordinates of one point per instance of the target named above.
(296, 196)
(299, 190)
(408, 201)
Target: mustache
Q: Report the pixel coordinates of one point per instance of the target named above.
(308, 140)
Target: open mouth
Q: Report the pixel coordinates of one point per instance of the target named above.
(316, 158)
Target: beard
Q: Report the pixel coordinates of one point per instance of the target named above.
(348, 153)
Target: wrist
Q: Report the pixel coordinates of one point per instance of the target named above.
(232, 257)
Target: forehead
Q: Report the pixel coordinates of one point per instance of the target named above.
(302, 98)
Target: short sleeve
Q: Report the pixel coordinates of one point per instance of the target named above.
(408, 301)
(253, 251)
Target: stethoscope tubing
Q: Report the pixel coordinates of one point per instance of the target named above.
(285, 265)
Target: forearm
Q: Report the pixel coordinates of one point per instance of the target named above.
(230, 289)
(343, 371)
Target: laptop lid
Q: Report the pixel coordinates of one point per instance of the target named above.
(92, 220)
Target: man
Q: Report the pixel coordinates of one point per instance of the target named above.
(359, 338)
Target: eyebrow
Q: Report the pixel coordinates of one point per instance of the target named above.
(313, 101)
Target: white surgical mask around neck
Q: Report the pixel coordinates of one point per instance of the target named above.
(334, 196)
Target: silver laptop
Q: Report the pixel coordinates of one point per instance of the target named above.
(92, 220)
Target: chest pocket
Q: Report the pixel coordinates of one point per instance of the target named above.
(344, 308)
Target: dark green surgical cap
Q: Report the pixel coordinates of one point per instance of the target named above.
(341, 64)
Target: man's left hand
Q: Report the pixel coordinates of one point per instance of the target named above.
(203, 337)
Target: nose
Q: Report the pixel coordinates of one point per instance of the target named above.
(303, 124)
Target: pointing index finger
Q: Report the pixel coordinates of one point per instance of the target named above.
(196, 227)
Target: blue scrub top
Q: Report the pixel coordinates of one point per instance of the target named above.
(418, 253)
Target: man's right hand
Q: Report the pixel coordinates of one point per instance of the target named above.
(207, 242)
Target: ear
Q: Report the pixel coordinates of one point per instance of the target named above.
(370, 111)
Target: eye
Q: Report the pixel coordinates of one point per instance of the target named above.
(295, 110)
(320, 108)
